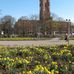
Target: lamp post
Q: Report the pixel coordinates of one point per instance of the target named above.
(68, 28)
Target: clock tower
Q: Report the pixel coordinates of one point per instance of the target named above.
(44, 9)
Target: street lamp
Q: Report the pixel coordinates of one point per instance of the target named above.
(68, 28)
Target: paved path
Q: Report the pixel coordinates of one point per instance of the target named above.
(35, 42)
(55, 39)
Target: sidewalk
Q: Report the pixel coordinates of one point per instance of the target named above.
(35, 42)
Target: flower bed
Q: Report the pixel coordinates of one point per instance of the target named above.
(37, 60)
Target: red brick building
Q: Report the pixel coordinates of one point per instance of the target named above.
(45, 26)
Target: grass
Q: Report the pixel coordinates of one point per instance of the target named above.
(22, 39)
(16, 39)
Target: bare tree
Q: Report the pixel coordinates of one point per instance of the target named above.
(56, 17)
(34, 17)
(23, 18)
(7, 23)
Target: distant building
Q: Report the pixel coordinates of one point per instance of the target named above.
(45, 26)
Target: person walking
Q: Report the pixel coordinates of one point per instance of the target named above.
(67, 38)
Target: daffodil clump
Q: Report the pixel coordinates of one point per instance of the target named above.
(37, 60)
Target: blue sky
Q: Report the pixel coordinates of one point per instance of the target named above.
(18, 8)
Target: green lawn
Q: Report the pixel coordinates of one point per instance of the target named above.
(22, 39)
(16, 39)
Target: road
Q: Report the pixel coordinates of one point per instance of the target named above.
(54, 41)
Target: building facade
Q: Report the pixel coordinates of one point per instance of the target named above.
(45, 26)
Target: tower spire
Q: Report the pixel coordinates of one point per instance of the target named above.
(44, 10)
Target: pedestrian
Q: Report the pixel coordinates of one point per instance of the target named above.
(66, 37)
